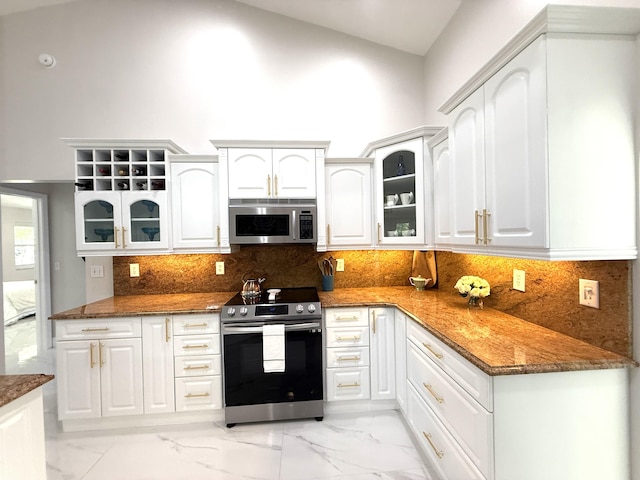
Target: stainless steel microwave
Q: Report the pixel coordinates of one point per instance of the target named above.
(287, 221)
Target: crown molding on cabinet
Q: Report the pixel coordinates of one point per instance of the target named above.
(123, 143)
(271, 143)
(439, 137)
(552, 19)
(423, 131)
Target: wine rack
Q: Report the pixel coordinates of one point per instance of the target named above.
(122, 165)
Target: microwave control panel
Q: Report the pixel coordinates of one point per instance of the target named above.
(306, 225)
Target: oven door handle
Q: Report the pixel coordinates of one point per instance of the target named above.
(239, 330)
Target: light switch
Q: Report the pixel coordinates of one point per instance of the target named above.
(219, 268)
(589, 291)
(97, 271)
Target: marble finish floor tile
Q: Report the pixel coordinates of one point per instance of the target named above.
(366, 446)
(350, 446)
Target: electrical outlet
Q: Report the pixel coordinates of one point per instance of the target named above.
(340, 265)
(518, 280)
(134, 269)
(219, 268)
(97, 271)
(589, 293)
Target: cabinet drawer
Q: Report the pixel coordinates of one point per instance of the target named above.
(464, 417)
(354, 336)
(346, 317)
(197, 365)
(196, 345)
(347, 357)
(195, 324)
(98, 328)
(477, 383)
(444, 454)
(198, 393)
(348, 384)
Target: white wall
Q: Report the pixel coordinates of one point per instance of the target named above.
(190, 71)
(478, 30)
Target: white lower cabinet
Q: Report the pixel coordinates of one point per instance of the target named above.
(382, 352)
(197, 362)
(157, 365)
(444, 454)
(22, 447)
(347, 355)
(99, 376)
(400, 324)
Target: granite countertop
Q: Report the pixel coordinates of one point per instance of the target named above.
(141, 305)
(13, 387)
(496, 342)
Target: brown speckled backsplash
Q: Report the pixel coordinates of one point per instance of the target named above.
(550, 300)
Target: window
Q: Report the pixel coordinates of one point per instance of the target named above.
(24, 246)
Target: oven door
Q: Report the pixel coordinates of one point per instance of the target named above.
(246, 383)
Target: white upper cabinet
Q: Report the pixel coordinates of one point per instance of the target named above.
(121, 199)
(121, 223)
(272, 170)
(348, 200)
(542, 162)
(403, 189)
(441, 155)
(198, 204)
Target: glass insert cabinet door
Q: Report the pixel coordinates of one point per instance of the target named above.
(401, 174)
(117, 222)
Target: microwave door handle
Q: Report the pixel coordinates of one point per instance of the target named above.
(294, 223)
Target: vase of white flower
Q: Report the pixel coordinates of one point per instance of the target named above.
(476, 288)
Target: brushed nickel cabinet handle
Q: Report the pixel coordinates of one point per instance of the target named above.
(429, 388)
(268, 185)
(194, 325)
(92, 361)
(124, 242)
(167, 321)
(477, 226)
(96, 329)
(430, 348)
(194, 395)
(101, 351)
(348, 385)
(218, 234)
(196, 367)
(379, 227)
(328, 234)
(352, 318)
(354, 358)
(373, 321)
(115, 236)
(204, 345)
(439, 453)
(352, 337)
(485, 226)
(275, 185)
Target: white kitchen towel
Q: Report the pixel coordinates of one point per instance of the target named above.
(273, 348)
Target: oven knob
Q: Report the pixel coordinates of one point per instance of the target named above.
(311, 308)
(299, 309)
(243, 311)
(231, 311)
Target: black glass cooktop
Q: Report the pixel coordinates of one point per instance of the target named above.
(286, 295)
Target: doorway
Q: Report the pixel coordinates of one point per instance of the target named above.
(25, 281)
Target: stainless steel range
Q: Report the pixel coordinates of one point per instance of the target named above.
(273, 356)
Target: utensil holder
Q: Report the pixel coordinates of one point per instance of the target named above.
(327, 283)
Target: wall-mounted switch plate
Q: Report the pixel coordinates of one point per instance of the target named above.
(219, 268)
(340, 265)
(97, 271)
(518, 280)
(134, 269)
(589, 293)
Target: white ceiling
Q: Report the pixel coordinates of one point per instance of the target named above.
(407, 25)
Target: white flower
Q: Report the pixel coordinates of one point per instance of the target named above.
(474, 286)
